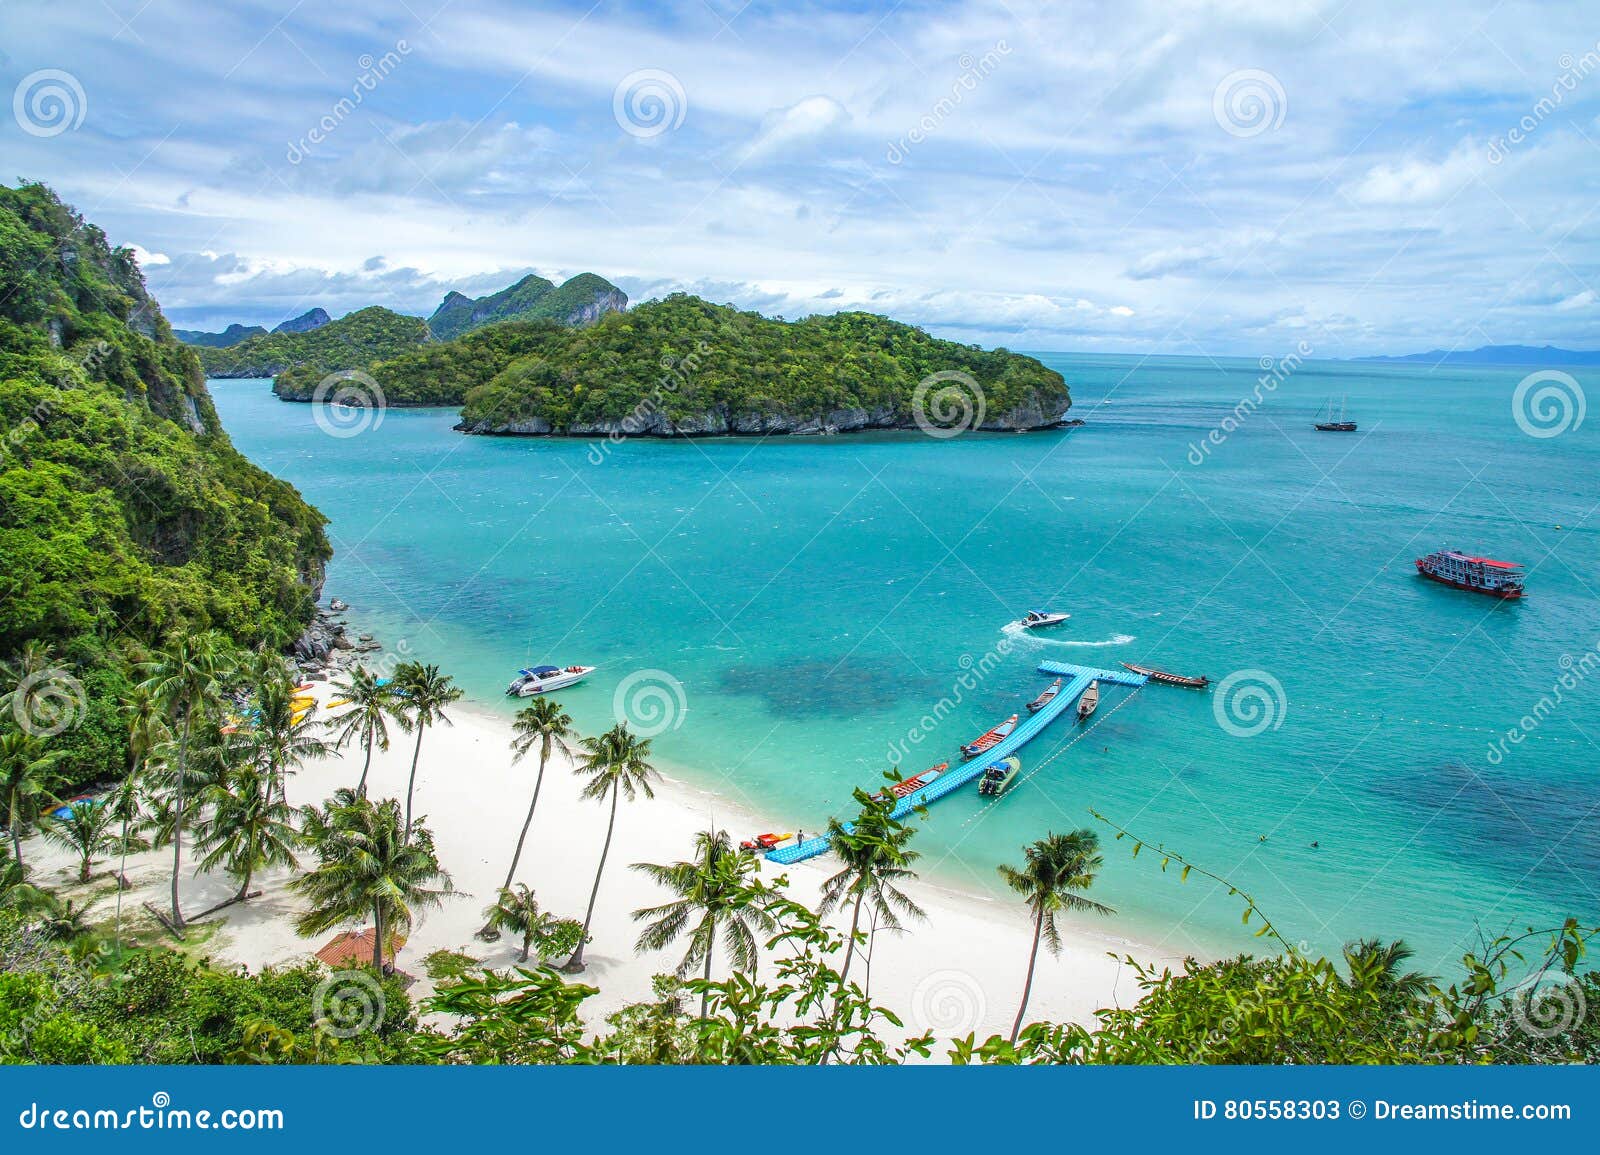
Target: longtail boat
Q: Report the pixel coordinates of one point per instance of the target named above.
(1044, 699)
(917, 781)
(1089, 700)
(1168, 679)
(991, 739)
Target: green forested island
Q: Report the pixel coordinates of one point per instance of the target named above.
(684, 366)
(125, 512)
(366, 335)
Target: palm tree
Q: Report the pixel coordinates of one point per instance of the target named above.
(716, 887)
(366, 868)
(1055, 872)
(372, 704)
(518, 912)
(1376, 965)
(186, 679)
(282, 739)
(540, 723)
(126, 801)
(615, 765)
(89, 831)
(25, 778)
(34, 658)
(423, 693)
(249, 829)
(876, 859)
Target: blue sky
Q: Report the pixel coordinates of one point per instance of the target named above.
(1227, 178)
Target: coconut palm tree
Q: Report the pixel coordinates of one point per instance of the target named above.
(367, 869)
(615, 764)
(876, 859)
(544, 724)
(518, 911)
(1376, 966)
(1055, 871)
(249, 829)
(35, 657)
(423, 693)
(372, 705)
(714, 892)
(91, 830)
(187, 680)
(283, 737)
(26, 774)
(126, 801)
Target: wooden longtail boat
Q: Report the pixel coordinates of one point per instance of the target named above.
(1044, 699)
(1089, 700)
(1167, 679)
(991, 739)
(917, 781)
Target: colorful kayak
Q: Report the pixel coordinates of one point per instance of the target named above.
(917, 781)
(991, 739)
(1045, 698)
(765, 841)
(997, 779)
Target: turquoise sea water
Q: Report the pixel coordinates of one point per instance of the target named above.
(814, 599)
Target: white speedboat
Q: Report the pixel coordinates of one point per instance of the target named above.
(1034, 620)
(544, 679)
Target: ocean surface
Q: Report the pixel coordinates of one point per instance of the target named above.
(789, 616)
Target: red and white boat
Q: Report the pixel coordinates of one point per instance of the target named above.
(1045, 698)
(1481, 575)
(991, 739)
(917, 781)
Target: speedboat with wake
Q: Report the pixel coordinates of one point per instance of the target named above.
(1037, 620)
(990, 739)
(544, 679)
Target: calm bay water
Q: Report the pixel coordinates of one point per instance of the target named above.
(815, 598)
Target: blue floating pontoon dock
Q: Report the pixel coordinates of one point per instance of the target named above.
(952, 780)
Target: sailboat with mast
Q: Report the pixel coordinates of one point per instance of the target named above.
(1335, 426)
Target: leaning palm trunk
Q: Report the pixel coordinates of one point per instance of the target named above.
(488, 933)
(177, 823)
(366, 765)
(575, 963)
(411, 783)
(850, 949)
(705, 995)
(377, 937)
(1027, 986)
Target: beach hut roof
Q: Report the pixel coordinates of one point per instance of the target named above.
(354, 946)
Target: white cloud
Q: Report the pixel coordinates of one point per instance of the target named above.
(1577, 301)
(1413, 180)
(802, 121)
(146, 258)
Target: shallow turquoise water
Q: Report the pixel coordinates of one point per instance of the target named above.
(815, 598)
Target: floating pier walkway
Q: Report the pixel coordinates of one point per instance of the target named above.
(957, 777)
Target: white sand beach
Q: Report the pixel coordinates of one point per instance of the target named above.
(960, 970)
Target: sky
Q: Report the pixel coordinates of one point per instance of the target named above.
(1241, 178)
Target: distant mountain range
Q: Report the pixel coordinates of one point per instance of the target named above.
(1499, 355)
(582, 300)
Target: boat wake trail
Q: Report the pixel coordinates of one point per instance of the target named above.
(1018, 633)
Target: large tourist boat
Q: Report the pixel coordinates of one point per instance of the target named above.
(1481, 575)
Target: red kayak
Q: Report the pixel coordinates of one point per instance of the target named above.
(990, 740)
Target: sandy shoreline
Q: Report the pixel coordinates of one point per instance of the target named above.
(960, 970)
